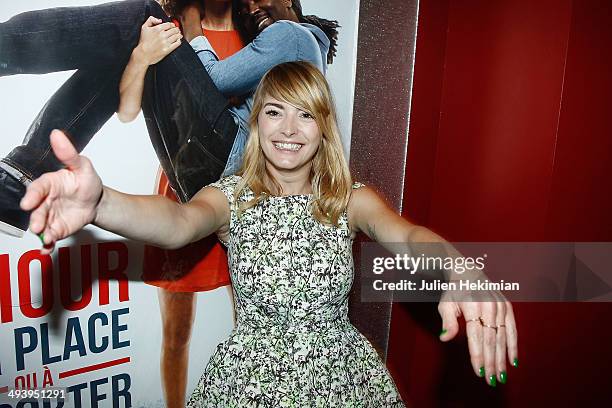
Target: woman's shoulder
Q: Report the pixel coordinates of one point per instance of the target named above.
(363, 197)
(364, 205)
(231, 180)
(227, 185)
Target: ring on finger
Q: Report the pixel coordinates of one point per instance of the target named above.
(476, 319)
(489, 326)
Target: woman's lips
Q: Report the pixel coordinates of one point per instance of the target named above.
(287, 146)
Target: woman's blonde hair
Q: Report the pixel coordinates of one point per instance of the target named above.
(302, 85)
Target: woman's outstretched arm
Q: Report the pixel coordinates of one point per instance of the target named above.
(65, 201)
(491, 332)
(157, 39)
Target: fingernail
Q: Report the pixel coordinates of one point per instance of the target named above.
(503, 377)
(515, 363)
(493, 381)
(481, 372)
(443, 332)
(41, 236)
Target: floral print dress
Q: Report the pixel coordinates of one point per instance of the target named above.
(293, 345)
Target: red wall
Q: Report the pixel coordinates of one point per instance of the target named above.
(511, 140)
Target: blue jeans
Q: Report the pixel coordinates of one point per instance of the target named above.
(187, 118)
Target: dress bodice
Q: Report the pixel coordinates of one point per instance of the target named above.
(288, 270)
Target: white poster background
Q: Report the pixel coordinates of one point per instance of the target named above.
(125, 160)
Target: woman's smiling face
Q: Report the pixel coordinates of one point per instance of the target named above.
(289, 136)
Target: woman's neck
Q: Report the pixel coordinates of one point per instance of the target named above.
(293, 182)
(218, 16)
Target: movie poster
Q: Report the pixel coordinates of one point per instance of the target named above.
(81, 320)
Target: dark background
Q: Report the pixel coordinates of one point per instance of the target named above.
(510, 139)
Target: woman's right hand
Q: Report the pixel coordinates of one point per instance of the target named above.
(157, 39)
(64, 201)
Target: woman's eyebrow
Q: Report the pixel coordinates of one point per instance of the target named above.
(276, 105)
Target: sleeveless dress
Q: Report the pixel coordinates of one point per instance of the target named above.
(293, 345)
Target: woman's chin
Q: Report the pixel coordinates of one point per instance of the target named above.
(286, 165)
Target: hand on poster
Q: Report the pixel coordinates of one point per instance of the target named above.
(491, 332)
(64, 201)
(157, 39)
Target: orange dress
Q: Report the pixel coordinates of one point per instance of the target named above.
(200, 265)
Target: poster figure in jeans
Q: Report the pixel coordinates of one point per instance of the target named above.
(95, 85)
(194, 143)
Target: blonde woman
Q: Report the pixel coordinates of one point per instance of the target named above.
(288, 220)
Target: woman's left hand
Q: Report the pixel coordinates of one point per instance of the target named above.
(157, 39)
(490, 328)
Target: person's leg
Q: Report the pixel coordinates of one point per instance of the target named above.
(80, 107)
(189, 124)
(66, 38)
(192, 143)
(178, 313)
(98, 40)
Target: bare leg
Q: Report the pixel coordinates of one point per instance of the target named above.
(178, 313)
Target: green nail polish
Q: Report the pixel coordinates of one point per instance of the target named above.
(493, 381)
(481, 372)
(503, 377)
(443, 332)
(515, 363)
(41, 236)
